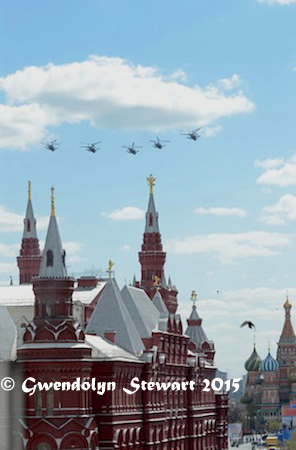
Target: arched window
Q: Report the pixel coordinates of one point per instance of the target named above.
(28, 225)
(150, 220)
(49, 401)
(38, 402)
(48, 308)
(49, 258)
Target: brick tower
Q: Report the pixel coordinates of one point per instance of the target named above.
(30, 258)
(286, 353)
(54, 350)
(152, 257)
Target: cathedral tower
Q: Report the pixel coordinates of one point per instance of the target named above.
(152, 257)
(286, 353)
(29, 258)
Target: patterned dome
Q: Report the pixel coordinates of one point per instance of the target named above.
(269, 364)
(253, 364)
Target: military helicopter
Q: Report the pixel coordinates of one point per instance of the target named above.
(157, 143)
(92, 147)
(52, 146)
(193, 135)
(131, 149)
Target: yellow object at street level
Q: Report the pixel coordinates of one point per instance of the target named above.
(271, 442)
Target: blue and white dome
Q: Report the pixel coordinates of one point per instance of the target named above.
(269, 364)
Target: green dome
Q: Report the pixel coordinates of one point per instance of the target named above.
(253, 364)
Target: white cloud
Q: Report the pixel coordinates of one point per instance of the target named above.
(9, 251)
(230, 83)
(277, 2)
(211, 131)
(8, 269)
(231, 246)
(125, 248)
(283, 211)
(108, 93)
(221, 211)
(179, 74)
(278, 172)
(10, 221)
(126, 213)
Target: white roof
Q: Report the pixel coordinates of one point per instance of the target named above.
(102, 349)
(23, 295)
(7, 335)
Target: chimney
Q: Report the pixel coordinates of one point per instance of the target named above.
(110, 335)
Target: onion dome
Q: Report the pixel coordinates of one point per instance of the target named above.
(287, 304)
(269, 364)
(253, 364)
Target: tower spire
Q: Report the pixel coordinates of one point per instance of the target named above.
(52, 203)
(152, 257)
(29, 190)
(29, 258)
(53, 257)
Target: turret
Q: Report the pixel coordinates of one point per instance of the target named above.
(152, 257)
(29, 258)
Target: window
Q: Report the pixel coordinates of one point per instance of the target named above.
(49, 258)
(28, 225)
(150, 220)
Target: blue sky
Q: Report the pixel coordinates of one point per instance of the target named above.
(123, 72)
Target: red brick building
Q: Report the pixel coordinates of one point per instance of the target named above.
(134, 332)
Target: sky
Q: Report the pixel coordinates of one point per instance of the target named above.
(124, 72)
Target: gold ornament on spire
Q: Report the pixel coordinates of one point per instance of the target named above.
(156, 282)
(193, 297)
(110, 265)
(52, 203)
(151, 183)
(29, 190)
(287, 304)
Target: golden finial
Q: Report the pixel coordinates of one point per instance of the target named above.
(193, 297)
(156, 282)
(29, 190)
(287, 304)
(52, 203)
(110, 265)
(268, 346)
(151, 183)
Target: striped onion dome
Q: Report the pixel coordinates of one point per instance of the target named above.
(269, 364)
(253, 364)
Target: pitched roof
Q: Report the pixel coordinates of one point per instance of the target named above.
(53, 243)
(104, 350)
(141, 309)
(159, 304)
(111, 313)
(151, 217)
(195, 330)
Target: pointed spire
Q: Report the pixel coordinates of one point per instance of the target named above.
(151, 214)
(288, 331)
(53, 257)
(29, 221)
(134, 281)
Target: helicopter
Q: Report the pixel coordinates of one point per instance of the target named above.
(92, 147)
(193, 135)
(52, 146)
(131, 149)
(157, 143)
